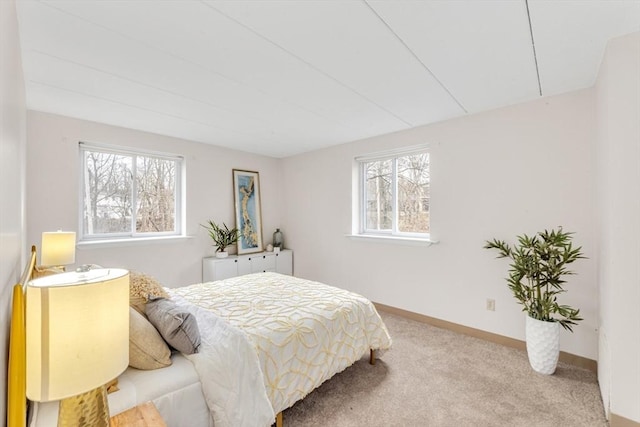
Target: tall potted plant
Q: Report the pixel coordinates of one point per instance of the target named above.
(539, 264)
(222, 237)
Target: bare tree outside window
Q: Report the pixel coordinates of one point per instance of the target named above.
(126, 194)
(396, 194)
(413, 193)
(107, 195)
(379, 209)
(156, 195)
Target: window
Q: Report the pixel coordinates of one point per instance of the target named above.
(395, 193)
(128, 194)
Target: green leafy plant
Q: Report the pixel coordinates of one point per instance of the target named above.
(536, 273)
(221, 236)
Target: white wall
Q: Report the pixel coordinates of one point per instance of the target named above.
(519, 169)
(618, 154)
(52, 193)
(12, 146)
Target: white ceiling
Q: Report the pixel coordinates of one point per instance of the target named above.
(284, 77)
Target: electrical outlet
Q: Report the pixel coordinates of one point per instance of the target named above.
(491, 304)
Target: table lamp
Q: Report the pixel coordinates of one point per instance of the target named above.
(58, 248)
(77, 333)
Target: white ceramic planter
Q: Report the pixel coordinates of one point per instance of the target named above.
(543, 345)
(222, 254)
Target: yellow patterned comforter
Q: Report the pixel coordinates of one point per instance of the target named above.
(304, 332)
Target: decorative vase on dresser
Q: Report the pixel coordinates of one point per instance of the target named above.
(278, 239)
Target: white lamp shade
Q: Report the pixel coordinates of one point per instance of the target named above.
(77, 332)
(58, 248)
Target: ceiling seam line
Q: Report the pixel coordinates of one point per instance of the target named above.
(533, 46)
(101, 98)
(195, 64)
(442, 85)
(310, 65)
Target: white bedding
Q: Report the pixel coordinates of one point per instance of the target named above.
(229, 373)
(303, 332)
(267, 341)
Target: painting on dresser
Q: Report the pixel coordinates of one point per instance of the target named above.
(246, 193)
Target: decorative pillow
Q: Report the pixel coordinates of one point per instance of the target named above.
(141, 288)
(177, 326)
(147, 349)
(138, 303)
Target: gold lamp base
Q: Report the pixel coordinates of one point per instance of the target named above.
(90, 409)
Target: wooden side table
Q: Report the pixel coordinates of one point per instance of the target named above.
(144, 415)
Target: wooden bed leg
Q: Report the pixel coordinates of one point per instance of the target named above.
(372, 357)
(279, 419)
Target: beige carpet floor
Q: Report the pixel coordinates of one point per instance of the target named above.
(435, 377)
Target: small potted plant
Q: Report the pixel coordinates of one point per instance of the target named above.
(222, 237)
(536, 273)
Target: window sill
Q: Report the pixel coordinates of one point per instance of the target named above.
(411, 241)
(133, 241)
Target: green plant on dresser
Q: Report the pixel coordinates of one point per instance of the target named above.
(221, 236)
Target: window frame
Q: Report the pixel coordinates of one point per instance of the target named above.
(393, 233)
(132, 235)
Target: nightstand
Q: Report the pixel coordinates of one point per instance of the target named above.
(143, 415)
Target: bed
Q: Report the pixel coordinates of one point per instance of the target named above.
(267, 340)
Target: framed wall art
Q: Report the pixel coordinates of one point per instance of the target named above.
(246, 194)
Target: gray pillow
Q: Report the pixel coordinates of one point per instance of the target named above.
(177, 326)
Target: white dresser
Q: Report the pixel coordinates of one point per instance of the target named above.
(236, 265)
